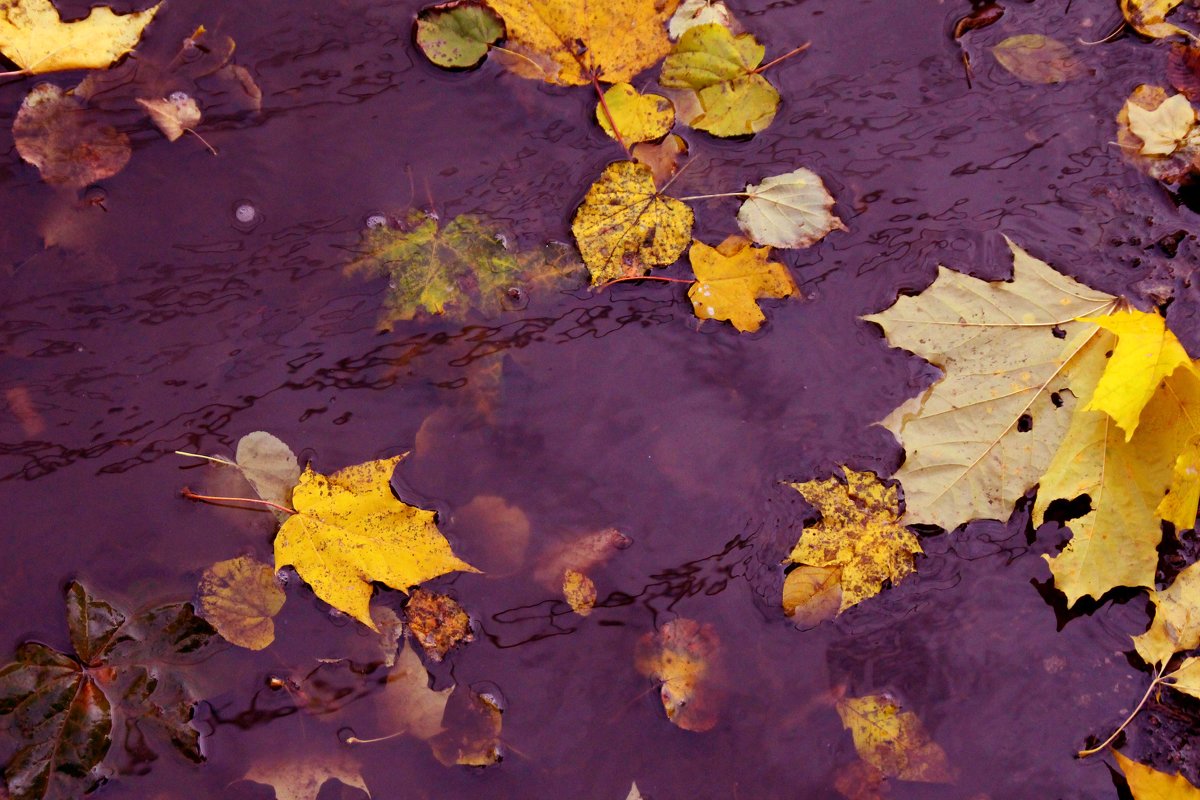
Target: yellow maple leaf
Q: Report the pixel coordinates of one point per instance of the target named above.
(240, 598)
(624, 226)
(731, 277)
(1146, 352)
(348, 530)
(1147, 783)
(1176, 624)
(982, 435)
(859, 534)
(1115, 543)
(893, 741)
(34, 37)
(569, 41)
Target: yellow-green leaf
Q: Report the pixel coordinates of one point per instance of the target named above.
(1146, 783)
(982, 435)
(349, 531)
(1149, 17)
(790, 210)
(624, 226)
(240, 598)
(893, 741)
(719, 67)
(34, 37)
(1038, 59)
(859, 533)
(732, 277)
(457, 35)
(568, 41)
(639, 117)
(1176, 623)
(1164, 129)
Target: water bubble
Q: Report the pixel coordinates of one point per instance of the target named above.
(178, 97)
(246, 216)
(376, 221)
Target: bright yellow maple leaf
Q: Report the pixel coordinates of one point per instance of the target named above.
(859, 534)
(731, 277)
(1147, 783)
(1115, 543)
(348, 530)
(569, 41)
(34, 37)
(893, 740)
(1014, 360)
(1145, 354)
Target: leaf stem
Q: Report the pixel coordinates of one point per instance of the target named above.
(606, 284)
(521, 56)
(214, 459)
(356, 740)
(211, 149)
(1158, 679)
(612, 123)
(190, 495)
(720, 194)
(784, 57)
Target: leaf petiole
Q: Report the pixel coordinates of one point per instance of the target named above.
(720, 194)
(190, 495)
(797, 51)
(1158, 681)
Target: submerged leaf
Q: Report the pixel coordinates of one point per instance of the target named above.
(458, 34)
(301, 778)
(437, 622)
(893, 741)
(1038, 59)
(172, 115)
(69, 147)
(624, 226)
(639, 117)
(731, 277)
(662, 158)
(471, 731)
(407, 704)
(34, 37)
(719, 68)
(789, 210)
(240, 598)
(680, 656)
(270, 466)
(982, 435)
(349, 531)
(580, 554)
(1146, 783)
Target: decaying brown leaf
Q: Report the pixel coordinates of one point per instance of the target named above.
(471, 730)
(407, 705)
(70, 147)
(437, 622)
(301, 777)
(580, 592)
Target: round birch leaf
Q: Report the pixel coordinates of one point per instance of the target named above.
(791, 210)
(458, 35)
(54, 132)
(240, 598)
(270, 466)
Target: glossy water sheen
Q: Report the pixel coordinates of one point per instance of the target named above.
(174, 326)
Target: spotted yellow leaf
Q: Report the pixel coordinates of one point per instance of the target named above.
(731, 277)
(639, 117)
(240, 598)
(34, 37)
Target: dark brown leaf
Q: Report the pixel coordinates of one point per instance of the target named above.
(1183, 70)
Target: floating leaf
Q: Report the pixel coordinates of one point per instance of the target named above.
(301, 778)
(581, 554)
(34, 37)
(173, 115)
(680, 656)
(448, 271)
(893, 741)
(240, 598)
(580, 592)
(1038, 59)
(471, 731)
(639, 117)
(734, 100)
(790, 210)
(568, 41)
(663, 158)
(731, 277)
(1182, 160)
(437, 622)
(270, 466)
(458, 34)
(1149, 17)
(1176, 624)
(624, 226)
(69, 147)
(1183, 70)
(692, 13)
(859, 534)
(634, 794)
(982, 435)
(349, 531)
(407, 704)
(1164, 129)
(1146, 783)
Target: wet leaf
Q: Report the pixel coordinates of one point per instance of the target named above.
(580, 554)
(1149, 17)
(349, 531)
(1146, 783)
(967, 453)
(580, 592)
(407, 705)
(391, 630)
(1038, 59)
(568, 41)
(95, 626)
(680, 656)
(1115, 543)
(663, 158)
(790, 210)
(471, 731)
(624, 226)
(692, 13)
(54, 132)
(859, 533)
(732, 277)
(1176, 624)
(270, 466)
(1175, 166)
(893, 740)
(812, 595)
(639, 117)
(719, 68)
(34, 37)
(458, 34)
(450, 270)
(301, 778)
(1183, 70)
(858, 780)
(240, 598)
(172, 115)
(1164, 129)
(437, 622)
(1186, 678)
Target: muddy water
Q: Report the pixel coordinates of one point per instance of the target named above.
(158, 322)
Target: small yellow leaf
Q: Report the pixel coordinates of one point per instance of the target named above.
(1149, 17)
(1176, 624)
(580, 592)
(624, 226)
(893, 741)
(1180, 504)
(297, 777)
(240, 598)
(34, 37)
(1038, 59)
(812, 595)
(790, 210)
(471, 731)
(173, 115)
(859, 533)
(1145, 354)
(731, 277)
(1163, 129)
(349, 531)
(1146, 783)
(680, 656)
(437, 622)
(639, 117)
